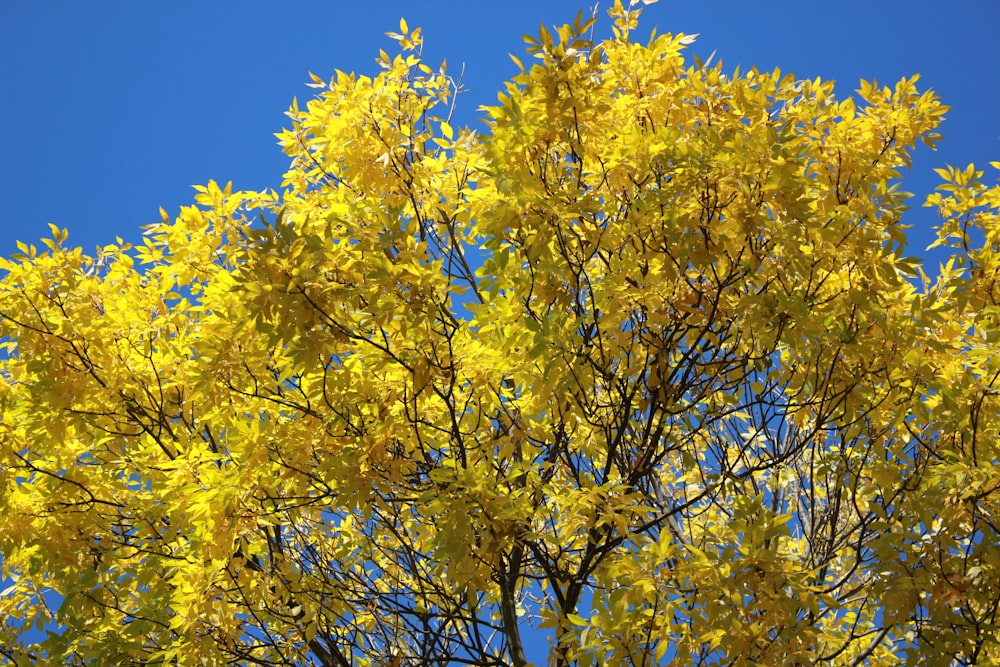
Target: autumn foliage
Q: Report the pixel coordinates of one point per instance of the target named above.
(640, 374)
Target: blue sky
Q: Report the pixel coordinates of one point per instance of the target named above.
(116, 108)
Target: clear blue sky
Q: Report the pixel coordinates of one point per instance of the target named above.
(114, 109)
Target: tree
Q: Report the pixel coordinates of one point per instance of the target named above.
(642, 371)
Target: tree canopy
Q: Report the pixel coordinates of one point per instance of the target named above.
(639, 374)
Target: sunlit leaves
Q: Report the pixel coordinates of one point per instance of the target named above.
(644, 369)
